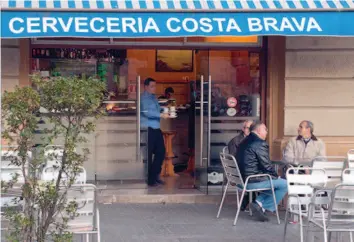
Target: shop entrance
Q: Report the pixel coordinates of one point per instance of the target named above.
(214, 91)
(220, 90)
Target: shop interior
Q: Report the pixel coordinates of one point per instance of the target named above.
(233, 77)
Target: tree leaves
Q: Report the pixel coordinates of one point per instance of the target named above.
(72, 105)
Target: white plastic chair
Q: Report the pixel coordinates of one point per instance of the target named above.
(234, 178)
(333, 165)
(88, 220)
(348, 176)
(350, 158)
(50, 173)
(340, 217)
(300, 193)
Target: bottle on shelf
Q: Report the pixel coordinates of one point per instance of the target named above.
(71, 54)
(78, 54)
(74, 53)
(83, 54)
(57, 53)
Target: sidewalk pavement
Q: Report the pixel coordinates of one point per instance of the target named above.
(185, 223)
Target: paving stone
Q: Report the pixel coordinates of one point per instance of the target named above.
(190, 223)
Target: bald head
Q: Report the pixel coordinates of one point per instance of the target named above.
(260, 129)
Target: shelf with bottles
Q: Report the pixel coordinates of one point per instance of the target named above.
(111, 55)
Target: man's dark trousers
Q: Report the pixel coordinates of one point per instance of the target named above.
(156, 154)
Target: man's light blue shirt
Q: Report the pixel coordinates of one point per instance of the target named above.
(150, 111)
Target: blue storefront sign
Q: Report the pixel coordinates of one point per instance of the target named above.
(22, 24)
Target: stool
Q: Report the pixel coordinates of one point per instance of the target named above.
(167, 166)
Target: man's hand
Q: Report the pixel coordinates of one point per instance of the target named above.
(164, 115)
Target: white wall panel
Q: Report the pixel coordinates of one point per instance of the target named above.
(320, 64)
(10, 61)
(319, 42)
(8, 84)
(10, 42)
(319, 93)
(327, 121)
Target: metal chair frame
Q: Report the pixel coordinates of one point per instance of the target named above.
(300, 193)
(87, 206)
(225, 150)
(234, 178)
(350, 158)
(338, 215)
(348, 175)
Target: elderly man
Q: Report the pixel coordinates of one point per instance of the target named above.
(253, 159)
(235, 142)
(305, 147)
(233, 146)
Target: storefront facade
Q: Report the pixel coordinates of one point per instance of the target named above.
(302, 77)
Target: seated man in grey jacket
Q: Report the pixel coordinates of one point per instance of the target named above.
(305, 147)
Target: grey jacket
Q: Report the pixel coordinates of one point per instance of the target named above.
(297, 152)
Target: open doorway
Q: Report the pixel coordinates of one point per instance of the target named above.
(226, 84)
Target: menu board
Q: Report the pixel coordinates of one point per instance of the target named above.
(85, 68)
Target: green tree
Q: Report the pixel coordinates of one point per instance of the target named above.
(72, 106)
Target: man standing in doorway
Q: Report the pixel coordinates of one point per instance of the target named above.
(150, 120)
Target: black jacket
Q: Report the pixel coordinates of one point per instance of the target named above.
(234, 144)
(253, 158)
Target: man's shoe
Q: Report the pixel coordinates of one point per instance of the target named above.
(159, 181)
(258, 212)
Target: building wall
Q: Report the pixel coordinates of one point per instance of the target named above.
(10, 64)
(319, 86)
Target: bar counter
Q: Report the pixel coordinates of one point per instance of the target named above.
(113, 146)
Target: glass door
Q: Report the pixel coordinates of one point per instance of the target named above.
(202, 92)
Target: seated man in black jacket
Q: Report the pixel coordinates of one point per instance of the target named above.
(253, 159)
